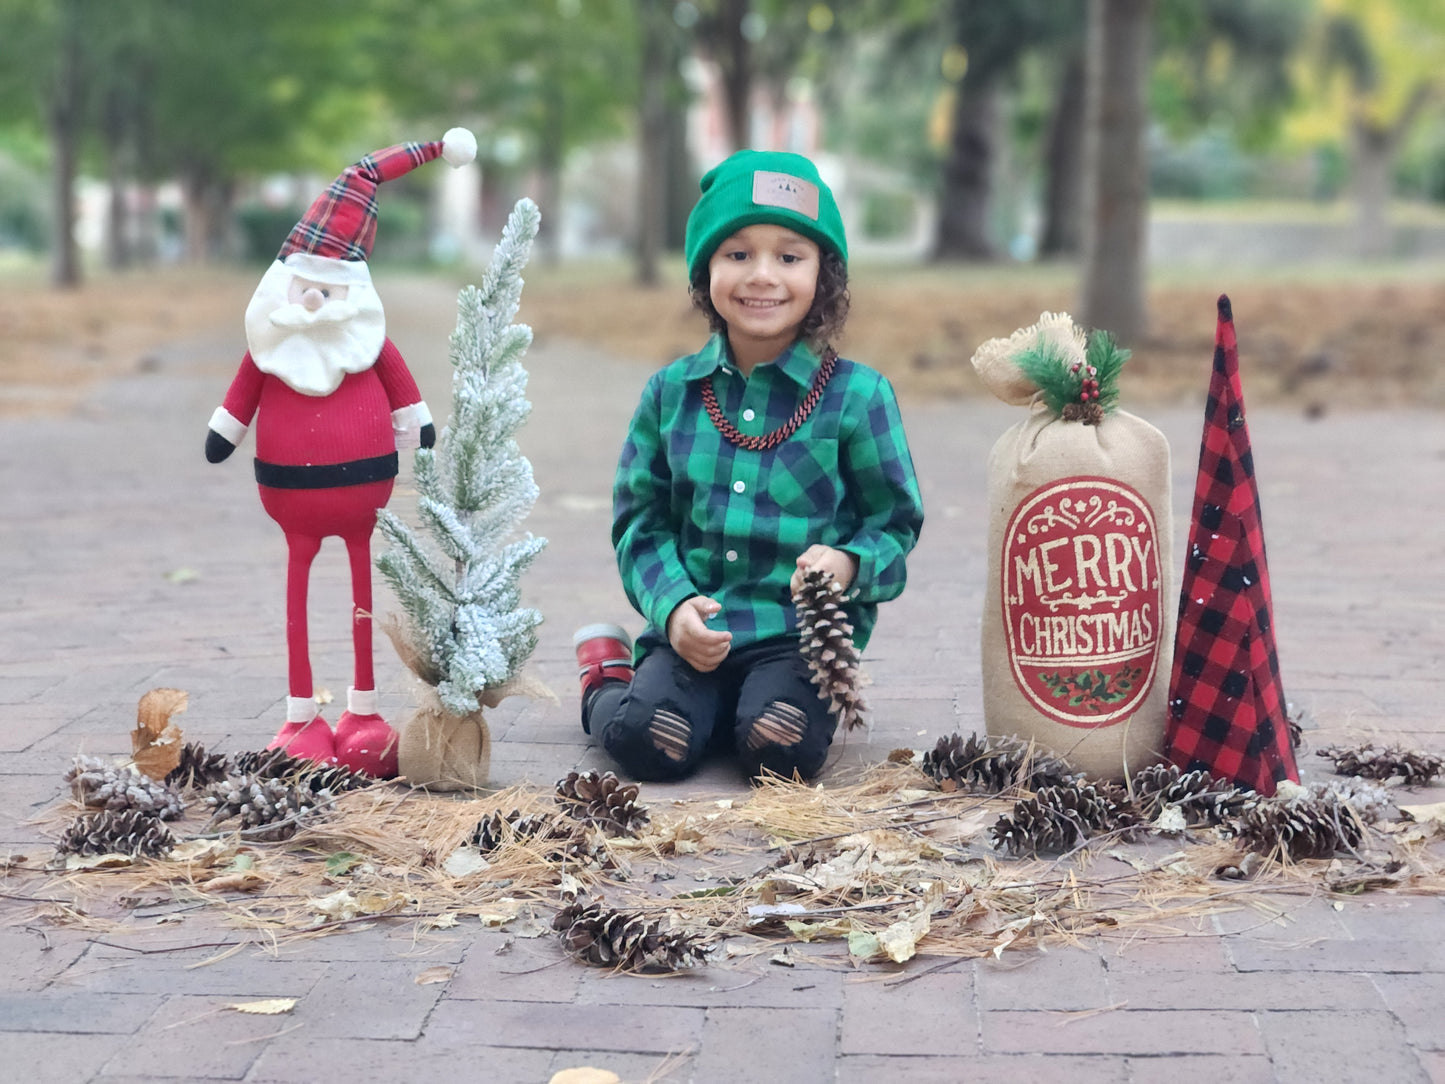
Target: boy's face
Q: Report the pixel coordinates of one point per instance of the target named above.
(761, 281)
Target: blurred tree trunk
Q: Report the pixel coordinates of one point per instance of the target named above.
(1116, 170)
(117, 226)
(967, 173)
(64, 116)
(550, 153)
(208, 212)
(1064, 162)
(731, 51)
(1374, 147)
(652, 143)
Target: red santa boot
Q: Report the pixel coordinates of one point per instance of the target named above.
(365, 742)
(306, 734)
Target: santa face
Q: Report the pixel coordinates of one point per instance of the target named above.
(311, 328)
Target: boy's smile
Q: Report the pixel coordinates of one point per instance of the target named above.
(762, 280)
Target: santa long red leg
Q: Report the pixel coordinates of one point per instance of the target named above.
(305, 734)
(364, 740)
(303, 550)
(358, 549)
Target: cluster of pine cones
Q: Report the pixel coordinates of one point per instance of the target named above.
(603, 800)
(1060, 809)
(271, 792)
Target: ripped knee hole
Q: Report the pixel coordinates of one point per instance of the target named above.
(671, 734)
(779, 724)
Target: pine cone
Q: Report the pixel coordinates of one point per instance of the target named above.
(128, 831)
(263, 803)
(279, 764)
(1198, 795)
(826, 641)
(494, 830)
(604, 801)
(1416, 768)
(100, 784)
(624, 940)
(1298, 828)
(1370, 800)
(197, 768)
(994, 764)
(1058, 819)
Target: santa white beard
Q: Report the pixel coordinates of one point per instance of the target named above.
(313, 351)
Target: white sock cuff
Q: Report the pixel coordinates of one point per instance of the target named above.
(300, 709)
(228, 425)
(361, 701)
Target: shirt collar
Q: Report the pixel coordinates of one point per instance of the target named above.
(798, 362)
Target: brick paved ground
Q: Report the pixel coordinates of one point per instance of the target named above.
(104, 506)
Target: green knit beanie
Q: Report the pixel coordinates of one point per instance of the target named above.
(762, 186)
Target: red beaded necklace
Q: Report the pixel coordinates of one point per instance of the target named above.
(788, 428)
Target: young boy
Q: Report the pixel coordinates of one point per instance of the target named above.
(757, 458)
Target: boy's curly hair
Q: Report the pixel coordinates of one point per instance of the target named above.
(826, 317)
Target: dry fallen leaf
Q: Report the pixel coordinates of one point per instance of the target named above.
(584, 1074)
(1432, 814)
(241, 880)
(272, 1006)
(156, 741)
(433, 975)
(464, 861)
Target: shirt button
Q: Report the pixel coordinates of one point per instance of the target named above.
(749, 414)
(738, 487)
(731, 555)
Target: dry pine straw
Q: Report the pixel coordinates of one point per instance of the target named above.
(859, 856)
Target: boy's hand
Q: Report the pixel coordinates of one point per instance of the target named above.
(703, 648)
(842, 564)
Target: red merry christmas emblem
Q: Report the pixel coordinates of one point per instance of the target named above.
(1081, 601)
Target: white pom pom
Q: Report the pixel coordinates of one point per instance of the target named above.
(459, 147)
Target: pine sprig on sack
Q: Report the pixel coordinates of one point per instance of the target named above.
(826, 641)
(1082, 389)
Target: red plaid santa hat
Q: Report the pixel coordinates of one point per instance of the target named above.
(341, 224)
(1226, 703)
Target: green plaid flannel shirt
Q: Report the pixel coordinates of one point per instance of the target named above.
(694, 514)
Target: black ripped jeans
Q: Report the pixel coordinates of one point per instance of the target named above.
(761, 701)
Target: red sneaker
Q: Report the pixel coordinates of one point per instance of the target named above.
(604, 653)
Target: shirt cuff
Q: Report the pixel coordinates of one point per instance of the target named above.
(406, 424)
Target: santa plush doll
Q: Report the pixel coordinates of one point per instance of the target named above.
(332, 400)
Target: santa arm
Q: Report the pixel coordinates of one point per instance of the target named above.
(411, 421)
(229, 423)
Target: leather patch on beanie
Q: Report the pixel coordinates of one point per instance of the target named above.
(786, 191)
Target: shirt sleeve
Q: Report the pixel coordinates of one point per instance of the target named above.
(396, 378)
(643, 533)
(878, 474)
(244, 394)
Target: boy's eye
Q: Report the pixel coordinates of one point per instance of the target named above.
(788, 257)
(737, 254)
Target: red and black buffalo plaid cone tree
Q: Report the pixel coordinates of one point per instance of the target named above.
(1226, 703)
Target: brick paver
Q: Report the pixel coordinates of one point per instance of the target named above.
(131, 563)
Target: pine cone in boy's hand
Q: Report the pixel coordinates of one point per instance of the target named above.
(827, 644)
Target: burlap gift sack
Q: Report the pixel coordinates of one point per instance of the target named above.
(439, 749)
(1078, 613)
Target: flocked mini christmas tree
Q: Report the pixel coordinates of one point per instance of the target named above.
(465, 632)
